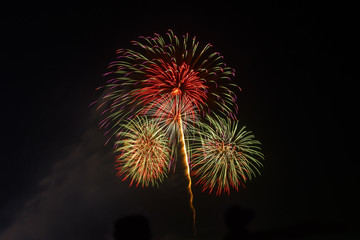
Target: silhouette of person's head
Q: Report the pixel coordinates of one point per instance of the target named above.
(132, 227)
(237, 220)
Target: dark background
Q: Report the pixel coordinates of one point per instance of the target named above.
(294, 62)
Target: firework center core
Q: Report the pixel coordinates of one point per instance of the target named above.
(176, 91)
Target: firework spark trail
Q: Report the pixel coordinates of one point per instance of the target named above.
(186, 164)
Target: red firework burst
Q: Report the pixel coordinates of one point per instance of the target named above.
(167, 81)
(167, 71)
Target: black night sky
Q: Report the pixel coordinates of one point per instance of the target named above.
(294, 62)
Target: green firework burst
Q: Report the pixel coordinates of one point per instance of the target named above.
(225, 155)
(144, 152)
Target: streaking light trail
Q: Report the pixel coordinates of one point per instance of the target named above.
(187, 167)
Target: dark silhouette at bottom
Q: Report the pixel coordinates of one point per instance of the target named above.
(237, 220)
(132, 227)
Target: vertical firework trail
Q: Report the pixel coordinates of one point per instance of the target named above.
(187, 172)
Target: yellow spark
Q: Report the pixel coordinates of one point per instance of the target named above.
(186, 163)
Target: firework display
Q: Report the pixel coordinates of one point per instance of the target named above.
(170, 94)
